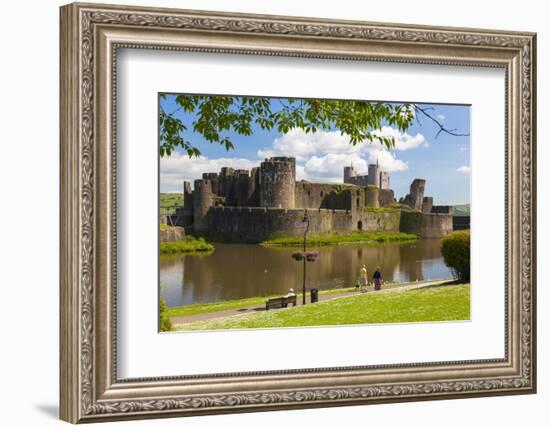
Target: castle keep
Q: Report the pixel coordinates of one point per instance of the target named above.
(267, 202)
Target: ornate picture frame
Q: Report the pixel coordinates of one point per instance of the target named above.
(90, 37)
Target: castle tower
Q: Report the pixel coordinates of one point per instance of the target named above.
(213, 178)
(384, 180)
(374, 175)
(278, 182)
(254, 189)
(244, 187)
(203, 200)
(187, 199)
(349, 174)
(416, 193)
(186, 214)
(372, 194)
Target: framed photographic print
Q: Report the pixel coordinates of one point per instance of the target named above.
(265, 212)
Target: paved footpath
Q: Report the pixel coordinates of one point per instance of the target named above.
(181, 320)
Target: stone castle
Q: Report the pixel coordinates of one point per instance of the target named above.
(267, 202)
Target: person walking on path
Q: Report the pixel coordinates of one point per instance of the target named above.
(364, 276)
(377, 276)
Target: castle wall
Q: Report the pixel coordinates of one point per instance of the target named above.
(436, 225)
(426, 225)
(327, 196)
(427, 204)
(182, 218)
(374, 222)
(461, 222)
(362, 180)
(253, 225)
(442, 209)
(385, 197)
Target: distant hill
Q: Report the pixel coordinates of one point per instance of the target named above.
(461, 210)
(169, 202)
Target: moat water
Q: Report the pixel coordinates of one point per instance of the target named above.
(240, 271)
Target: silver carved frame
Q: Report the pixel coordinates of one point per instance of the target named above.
(90, 36)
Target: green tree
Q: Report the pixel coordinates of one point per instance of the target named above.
(455, 249)
(216, 115)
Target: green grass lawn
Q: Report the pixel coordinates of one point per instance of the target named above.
(436, 303)
(211, 307)
(336, 239)
(190, 244)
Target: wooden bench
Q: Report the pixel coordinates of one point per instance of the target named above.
(280, 302)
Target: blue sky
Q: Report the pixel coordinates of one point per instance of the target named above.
(320, 157)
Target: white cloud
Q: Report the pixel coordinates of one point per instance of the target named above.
(179, 167)
(403, 141)
(330, 167)
(324, 154)
(387, 161)
(441, 118)
(301, 145)
(463, 169)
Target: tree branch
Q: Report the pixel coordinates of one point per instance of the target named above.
(442, 129)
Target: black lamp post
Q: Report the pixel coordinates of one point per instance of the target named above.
(306, 220)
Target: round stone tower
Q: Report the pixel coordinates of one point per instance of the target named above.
(349, 174)
(372, 200)
(203, 200)
(278, 182)
(374, 175)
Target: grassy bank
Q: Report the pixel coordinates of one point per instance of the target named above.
(337, 239)
(190, 244)
(430, 304)
(212, 307)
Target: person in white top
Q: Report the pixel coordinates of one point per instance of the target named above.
(364, 278)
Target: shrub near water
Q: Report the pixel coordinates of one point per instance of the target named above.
(455, 249)
(165, 321)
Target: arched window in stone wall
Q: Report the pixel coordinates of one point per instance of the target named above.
(360, 225)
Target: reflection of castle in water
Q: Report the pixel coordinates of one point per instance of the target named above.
(268, 202)
(239, 271)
